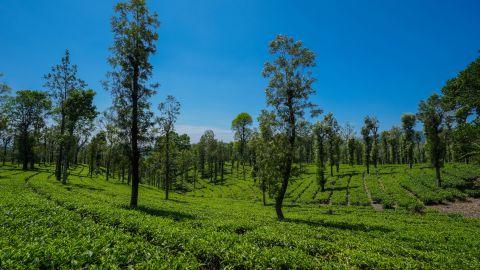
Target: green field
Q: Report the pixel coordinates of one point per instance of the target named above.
(87, 223)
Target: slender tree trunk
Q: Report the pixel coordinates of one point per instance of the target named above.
(263, 193)
(134, 136)
(289, 160)
(243, 168)
(58, 167)
(167, 164)
(26, 153)
(4, 152)
(221, 167)
(65, 160)
(107, 171)
(439, 178)
(194, 175)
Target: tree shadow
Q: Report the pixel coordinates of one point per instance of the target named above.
(31, 176)
(78, 175)
(336, 188)
(83, 186)
(348, 174)
(176, 216)
(340, 225)
(287, 204)
(387, 173)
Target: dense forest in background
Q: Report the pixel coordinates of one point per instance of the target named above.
(135, 142)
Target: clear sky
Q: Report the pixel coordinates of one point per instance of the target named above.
(373, 57)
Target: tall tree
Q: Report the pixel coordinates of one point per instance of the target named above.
(332, 130)
(394, 138)
(79, 112)
(61, 81)
(370, 124)
(431, 113)
(320, 133)
(384, 140)
(110, 130)
(241, 125)
(6, 134)
(5, 127)
(408, 124)
(267, 161)
(375, 141)
(168, 111)
(4, 92)
(288, 92)
(28, 111)
(134, 33)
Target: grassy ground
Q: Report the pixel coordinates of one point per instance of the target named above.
(44, 224)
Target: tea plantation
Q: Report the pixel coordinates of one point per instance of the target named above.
(87, 223)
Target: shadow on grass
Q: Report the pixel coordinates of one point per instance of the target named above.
(287, 204)
(83, 186)
(78, 175)
(177, 216)
(386, 173)
(340, 225)
(335, 188)
(347, 174)
(31, 176)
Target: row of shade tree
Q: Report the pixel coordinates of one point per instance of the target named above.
(131, 142)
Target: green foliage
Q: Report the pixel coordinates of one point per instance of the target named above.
(27, 112)
(87, 224)
(431, 113)
(134, 36)
(408, 124)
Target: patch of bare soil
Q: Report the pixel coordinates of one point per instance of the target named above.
(468, 208)
(376, 206)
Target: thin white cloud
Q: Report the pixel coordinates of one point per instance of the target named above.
(195, 132)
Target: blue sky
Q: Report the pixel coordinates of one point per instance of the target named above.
(373, 57)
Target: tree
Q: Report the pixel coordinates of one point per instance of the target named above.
(384, 139)
(6, 134)
(288, 92)
(62, 81)
(267, 162)
(4, 94)
(462, 93)
(408, 123)
(79, 112)
(110, 130)
(431, 113)
(368, 131)
(28, 111)
(168, 111)
(462, 103)
(241, 125)
(333, 138)
(320, 132)
(375, 145)
(351, 144)
(134, 31)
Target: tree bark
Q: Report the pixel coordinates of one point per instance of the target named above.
(439, 178)
(289, 158)
(134, 138)
(167, 164)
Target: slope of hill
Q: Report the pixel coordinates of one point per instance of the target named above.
(87, 223)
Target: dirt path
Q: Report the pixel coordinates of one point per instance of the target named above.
(348, 190)
(376, 206)
(468, 208)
